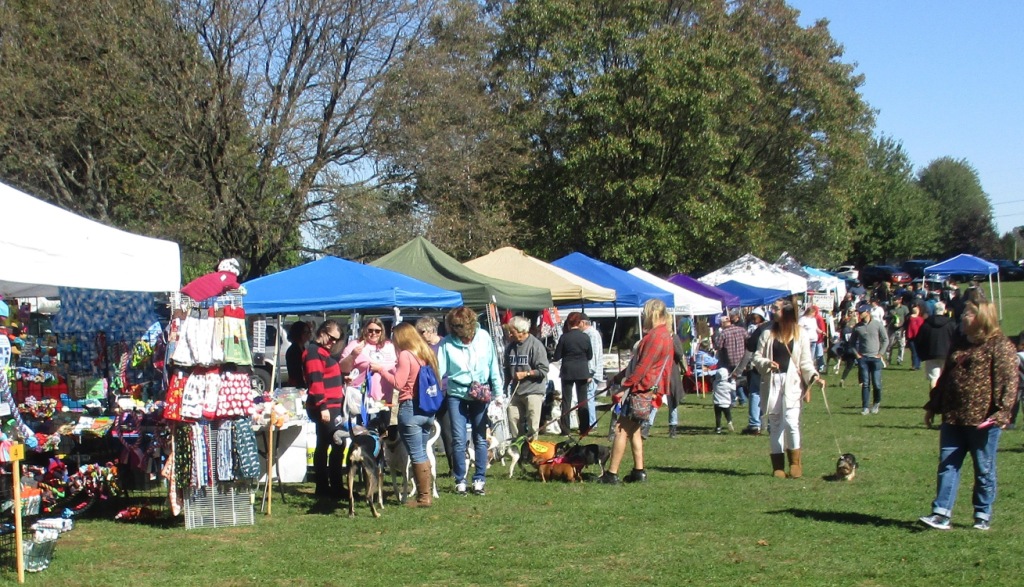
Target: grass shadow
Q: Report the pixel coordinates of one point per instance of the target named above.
(898, 427)
(706, 470)
(852, 518)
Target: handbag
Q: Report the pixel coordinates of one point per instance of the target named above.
(479, 392)
(640, 406)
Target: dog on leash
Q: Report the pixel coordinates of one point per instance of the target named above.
(365, 452)
(585, 455)
(558, 469)
(397, 458)
(846, 468)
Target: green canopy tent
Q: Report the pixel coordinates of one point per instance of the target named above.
(420, 259)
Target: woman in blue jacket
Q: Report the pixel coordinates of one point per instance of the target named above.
(467, 357)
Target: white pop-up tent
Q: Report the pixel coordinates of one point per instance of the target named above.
(45, 247)
(750, 270)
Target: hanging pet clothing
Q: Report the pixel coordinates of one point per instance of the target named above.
(225, 452)
(212, 396)
(193, 396)
(217, 315)
(236, 343)
(235, 398)
(247, 462)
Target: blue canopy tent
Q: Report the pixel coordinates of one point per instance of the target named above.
(753, 296)
(630, 291)
(338, 284)
(686, 282)
(965, 264)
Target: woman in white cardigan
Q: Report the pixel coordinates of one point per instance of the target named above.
(787, 370)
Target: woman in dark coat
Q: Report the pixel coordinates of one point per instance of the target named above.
(575, 352)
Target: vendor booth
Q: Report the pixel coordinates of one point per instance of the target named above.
(514, 265)
(420, 259)
(750, 270)
(965, 264)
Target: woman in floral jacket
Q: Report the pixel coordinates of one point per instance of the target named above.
(975, 395)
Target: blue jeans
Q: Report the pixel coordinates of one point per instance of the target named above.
(754, 399)
(870, 376)
(915, 359)
(954, 444)
(463, 412)
(591, 404)
(415, 430)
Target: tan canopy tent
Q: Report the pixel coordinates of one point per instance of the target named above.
(514, 265)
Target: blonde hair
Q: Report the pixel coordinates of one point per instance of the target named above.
(406, 338)
(655, 313)
(985, 324)
(461, 317)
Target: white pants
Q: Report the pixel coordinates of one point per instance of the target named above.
(783, 409)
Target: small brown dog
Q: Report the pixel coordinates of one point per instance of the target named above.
(564, 471)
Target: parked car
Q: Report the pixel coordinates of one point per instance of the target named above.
(915, 267)
(872, 274)
(847, 272)
(1008, 270)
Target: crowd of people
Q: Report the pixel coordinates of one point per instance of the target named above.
(767, 359)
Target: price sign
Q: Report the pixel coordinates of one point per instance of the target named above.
(17, 452)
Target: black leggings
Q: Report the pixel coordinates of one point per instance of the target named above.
(719, 410)
(327, 457)
(583, 412)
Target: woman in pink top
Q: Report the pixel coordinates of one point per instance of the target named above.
(371, 347)
(414, 425)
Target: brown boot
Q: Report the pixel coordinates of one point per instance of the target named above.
(779, 465)
(421, 472)
(796, 468)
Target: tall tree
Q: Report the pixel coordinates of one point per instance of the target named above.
(893, 218)
(442, 140)
(678, 135)
(962, 207)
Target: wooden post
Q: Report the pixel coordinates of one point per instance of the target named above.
(17, 454)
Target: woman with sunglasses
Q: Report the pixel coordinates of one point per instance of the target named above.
(371, 347)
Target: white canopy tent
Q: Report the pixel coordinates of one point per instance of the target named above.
(47, 247)
(751, 270)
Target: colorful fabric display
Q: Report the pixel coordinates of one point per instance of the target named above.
(247, 462)
(236, 342)
(193, 396)
(235, 398)
(225, 452)
(212, 395)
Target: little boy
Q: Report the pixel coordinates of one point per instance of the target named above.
(724, 387)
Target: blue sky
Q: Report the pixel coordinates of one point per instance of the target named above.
(947, 79)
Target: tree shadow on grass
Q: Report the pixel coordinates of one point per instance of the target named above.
(852, 518)
(706, 470)
(898, 427)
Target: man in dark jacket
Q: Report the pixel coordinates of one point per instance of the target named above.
(934, 342)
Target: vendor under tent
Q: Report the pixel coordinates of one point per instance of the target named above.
(420, 259)
(630, 291)
(512, 264)
(688, 283)
(965, 264)
(331, 283)
(74, 251)
(686, 302)
(750, 270)
(752, 295)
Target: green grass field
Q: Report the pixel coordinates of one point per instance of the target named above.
(711, 514)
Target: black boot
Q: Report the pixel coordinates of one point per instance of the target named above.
(672, 431)
(636, 476)
(609, 478)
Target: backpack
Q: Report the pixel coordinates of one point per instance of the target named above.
(429, 395)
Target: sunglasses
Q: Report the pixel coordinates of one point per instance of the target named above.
(374, 330)
(333, 338)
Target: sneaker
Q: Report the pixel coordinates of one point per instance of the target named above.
(936, 521)
(478, 488)
(980, 524)
(842, 382)
(718, 430)
(874, 408)
(460, 488)
(609, 478)
(865, 412)
(731, 429)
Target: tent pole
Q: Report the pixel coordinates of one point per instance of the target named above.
(277, 362)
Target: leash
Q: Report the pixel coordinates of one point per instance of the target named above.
(831, 424)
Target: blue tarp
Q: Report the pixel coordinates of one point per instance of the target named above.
(686, 282)
(630, 291)
(338, 284)
(965, 264)
(753, 296)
